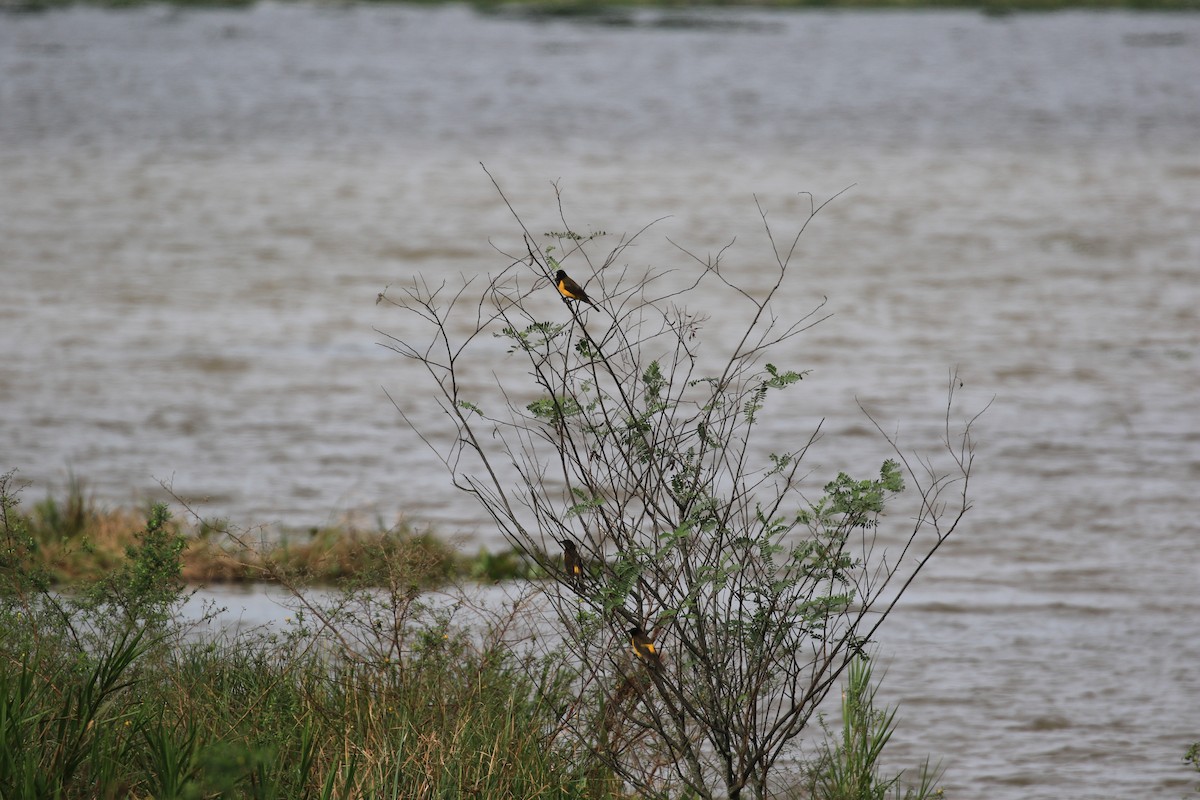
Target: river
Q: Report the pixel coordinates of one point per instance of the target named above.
(198, 209)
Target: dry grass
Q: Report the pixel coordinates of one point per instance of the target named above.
(77, 542)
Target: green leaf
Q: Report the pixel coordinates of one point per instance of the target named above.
(588, 503)
(535, 337)
(652, 383)
(554, 409)
(891, 477)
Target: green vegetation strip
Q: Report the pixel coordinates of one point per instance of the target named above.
(72, 541)
(101, 705)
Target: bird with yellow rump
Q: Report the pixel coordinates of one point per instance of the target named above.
(644, 647)
(572, 563)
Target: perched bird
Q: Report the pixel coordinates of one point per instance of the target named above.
(570, 289)
(643, 647)
(571, 561)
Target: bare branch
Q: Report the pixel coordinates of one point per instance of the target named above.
(611, 427)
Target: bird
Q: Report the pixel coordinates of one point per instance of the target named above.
(571, 561)
(569, 289)
(643, 647)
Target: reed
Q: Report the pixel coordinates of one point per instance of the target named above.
(259, 718)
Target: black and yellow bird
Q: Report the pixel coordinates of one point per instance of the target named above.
(569, 289)
(644, 647)
(571, 561)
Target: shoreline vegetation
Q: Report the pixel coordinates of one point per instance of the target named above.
(74, 541)
(620, 12)
(106, 693)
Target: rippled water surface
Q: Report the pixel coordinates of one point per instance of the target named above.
(198, 209)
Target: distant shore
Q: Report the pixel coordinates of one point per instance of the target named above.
(616, 11)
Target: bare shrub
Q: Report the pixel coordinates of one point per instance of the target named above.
(629, 431)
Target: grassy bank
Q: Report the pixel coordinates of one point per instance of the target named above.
(96, 705)
(105, 692)
(72, 541)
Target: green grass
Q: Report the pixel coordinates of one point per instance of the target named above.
(73, 541)
(849, 768)
(157, 715)
(106, 693)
